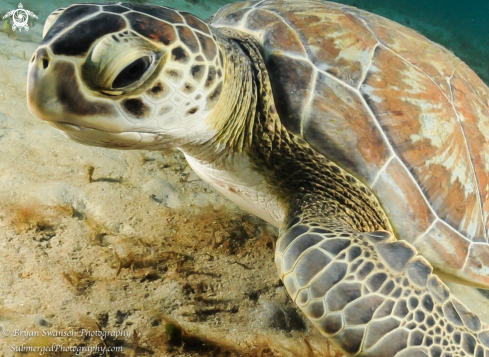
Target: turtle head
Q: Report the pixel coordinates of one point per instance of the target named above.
(126, 76)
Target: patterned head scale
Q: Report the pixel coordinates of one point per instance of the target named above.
(139, 72)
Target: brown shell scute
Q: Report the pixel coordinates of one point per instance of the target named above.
(409, 205)
(402, 114)
(471, 103)
(349, 146)
(344, 51)
(276, 33)
(423, 127)
(411, 45)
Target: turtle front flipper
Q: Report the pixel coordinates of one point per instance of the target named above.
(372, 295)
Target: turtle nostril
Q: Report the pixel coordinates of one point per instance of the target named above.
(45, 63)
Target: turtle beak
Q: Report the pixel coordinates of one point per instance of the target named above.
(39, 90)
(55, 93)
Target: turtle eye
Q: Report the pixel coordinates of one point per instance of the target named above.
(131, 73)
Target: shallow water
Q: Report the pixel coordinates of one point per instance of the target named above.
(48, 176)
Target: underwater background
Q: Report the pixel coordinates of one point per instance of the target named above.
(461, 26)
(135, 241)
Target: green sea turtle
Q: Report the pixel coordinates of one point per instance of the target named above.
(342, 128)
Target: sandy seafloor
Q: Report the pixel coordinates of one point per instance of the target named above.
(132, 242)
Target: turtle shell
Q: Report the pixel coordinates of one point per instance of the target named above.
(401, 113)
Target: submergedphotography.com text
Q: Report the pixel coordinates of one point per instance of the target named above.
(77, 350)
(43, 348)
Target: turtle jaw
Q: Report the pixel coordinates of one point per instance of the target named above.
(129, 140)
